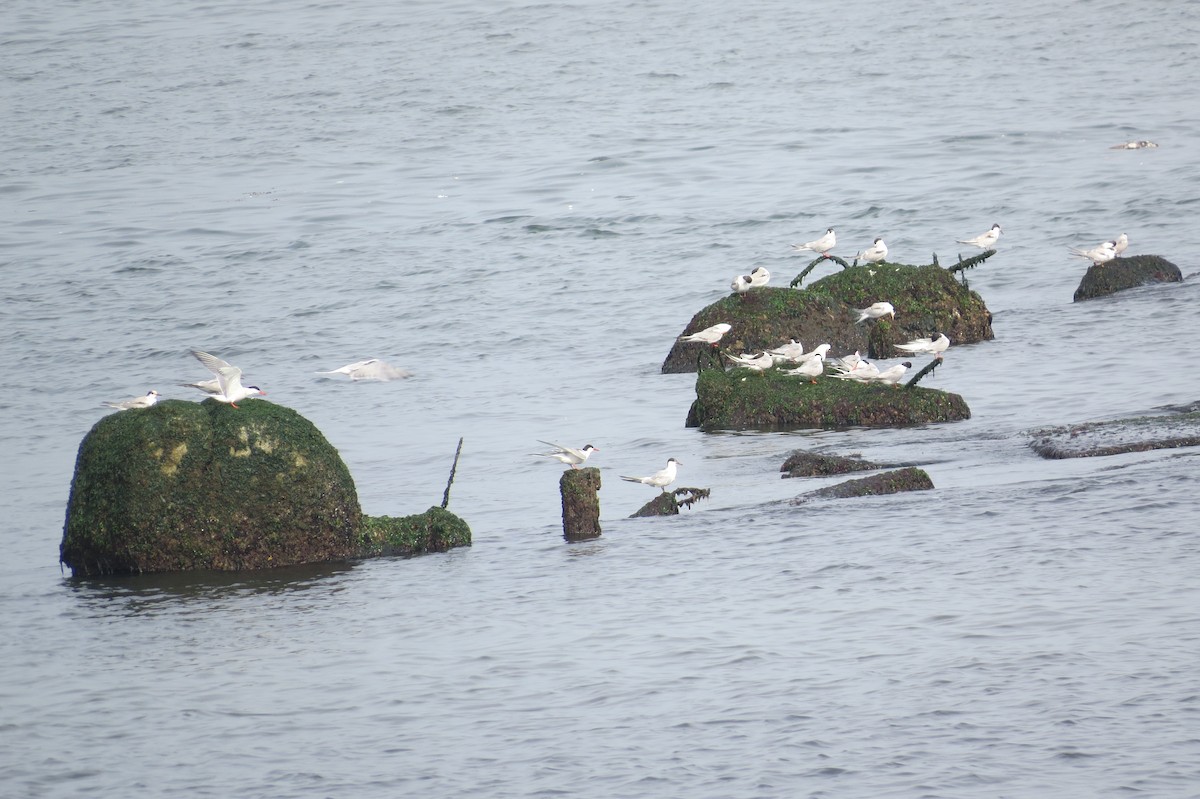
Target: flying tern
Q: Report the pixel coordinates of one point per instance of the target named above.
(370, 369)
(229, 380)
(660, 479)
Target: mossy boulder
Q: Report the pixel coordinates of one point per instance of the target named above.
(926, 299)
(185, 485)
(435, 530)
(812, 464)
(668, 503)
(1126, 273)
(742, 399)
(894, 482)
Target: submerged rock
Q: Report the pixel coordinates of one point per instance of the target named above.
(435, 530)
(1126, 273)
(810, 464)
(742, 399)
(1119, 436)
(183, 485)
(908, 479)
(926, 299)
(668, 503)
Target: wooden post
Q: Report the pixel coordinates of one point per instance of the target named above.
(580, 503)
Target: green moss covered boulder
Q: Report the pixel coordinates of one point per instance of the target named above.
(742, 399)
(927, 299)
(894, 482)
(435, 530)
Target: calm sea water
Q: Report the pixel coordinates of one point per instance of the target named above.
(523, 204)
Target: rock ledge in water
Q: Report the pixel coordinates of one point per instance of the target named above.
(908, 479)
(1126, 273)
(1119, 436)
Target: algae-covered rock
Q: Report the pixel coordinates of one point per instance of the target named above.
(185, 485)
(1119, 436)
(926, 299)
(742, 399)
(908, 479)
(435, 530)
(812, 464)
(668, 503)
(1126, 273)
(580, 489)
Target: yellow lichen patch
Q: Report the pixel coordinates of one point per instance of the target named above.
(267, 445)
(239, 453)
(171, 466)
(298, 460)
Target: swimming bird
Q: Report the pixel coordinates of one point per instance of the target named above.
(926, 346)
(229, 380)
(1140, 144)
(137, 402)
(822, 245)
(984, 240)
(370, 369)
(569, 455)
(660, 479)
(877, 252)
(1122, 243)
(1099, 255)
(875, 311)
(709, 335)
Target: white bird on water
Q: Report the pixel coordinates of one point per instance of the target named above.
(1138, 144)
(660, 479)
(370, 369)
(822, 245)
(877, 252)
(569, 455)
(709, 335)
(137, 402)
(984, 241)
(229, 380)
(1099, 255)
(876, 311)
(926, 346)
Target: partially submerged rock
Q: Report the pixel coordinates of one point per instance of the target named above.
(183, 485)
(435, 530)
(668, 503)
(908, 479)
(1119, 436)
(1126, 273)
(741, 399)
(812, 464)
(926, 299)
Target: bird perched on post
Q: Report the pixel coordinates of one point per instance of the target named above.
(983, 241)
(821, 245)
(569, 455)
(660, 479)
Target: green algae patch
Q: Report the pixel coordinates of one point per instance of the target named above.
(435, 530)
(1126, 273)
(741, 399)
(894, 482)
(926, 299)
(184, 485)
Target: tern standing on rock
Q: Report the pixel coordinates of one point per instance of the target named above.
(876, 311)
(709, 335)
(229, 380)
(877, 252)
(136, 402)
(1099, 255)
(660, 479)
